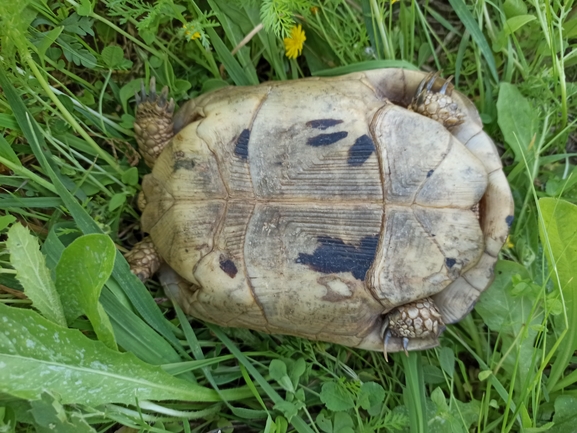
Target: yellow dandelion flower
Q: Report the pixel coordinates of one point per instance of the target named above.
(294, 44)
(509, 244)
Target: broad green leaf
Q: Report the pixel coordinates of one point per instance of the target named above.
(82, 371)
(565, 416)
(454, 418)
(517, 120)
(112, 56)
(32, 273)
(278, 372)
(510, 306)
(559, 237)
(336, 397)
(51, 416)
(343, 423)
(6, 220)
(515, 23)
(127, 91)
(130, 284)
(371, 396)
(514, 7)
(116, 201)
(130, 176)
(83, 268)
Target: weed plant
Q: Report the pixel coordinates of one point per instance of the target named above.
(85, 347)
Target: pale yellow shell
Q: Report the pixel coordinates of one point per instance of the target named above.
(272, 203)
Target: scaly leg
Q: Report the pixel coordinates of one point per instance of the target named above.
(419, 319)
(437, 105)
(143, 259)
(153, 125)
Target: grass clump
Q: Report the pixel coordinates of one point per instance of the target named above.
(70, 177)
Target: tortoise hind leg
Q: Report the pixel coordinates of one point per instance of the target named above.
(418, 319)
(437, 104)
(153, 125)
(144, 259)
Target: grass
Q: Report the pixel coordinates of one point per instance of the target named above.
(68, 167)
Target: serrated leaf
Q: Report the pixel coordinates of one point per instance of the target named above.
(112, 56)
(517, 120)
(371, 394)
(84, 266)
(80, 25)
(79, 370)
(75, 52)
(336, 397)
(559, 236)
(32, 273)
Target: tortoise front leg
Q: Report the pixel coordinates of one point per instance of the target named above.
(153, 125)
(437, 105)
(144, 259)
(419, 319)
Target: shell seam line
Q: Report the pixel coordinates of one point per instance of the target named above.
(433, 238)
(251, 124)
(246, 275)
(451, 144)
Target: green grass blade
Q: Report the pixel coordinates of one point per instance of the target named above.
(365, 66)
(134, 289)
(300, 425)
(472, 27)
(558, 233)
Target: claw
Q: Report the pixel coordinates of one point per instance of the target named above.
(386, 336)
(432, 82)
(406, 345)
(443, 90)
(152, 89)
(170, 108)
(422, 83)
(163, 97)
(386, 339)
(143, 95)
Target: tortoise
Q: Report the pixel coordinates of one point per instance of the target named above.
(366, 210)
